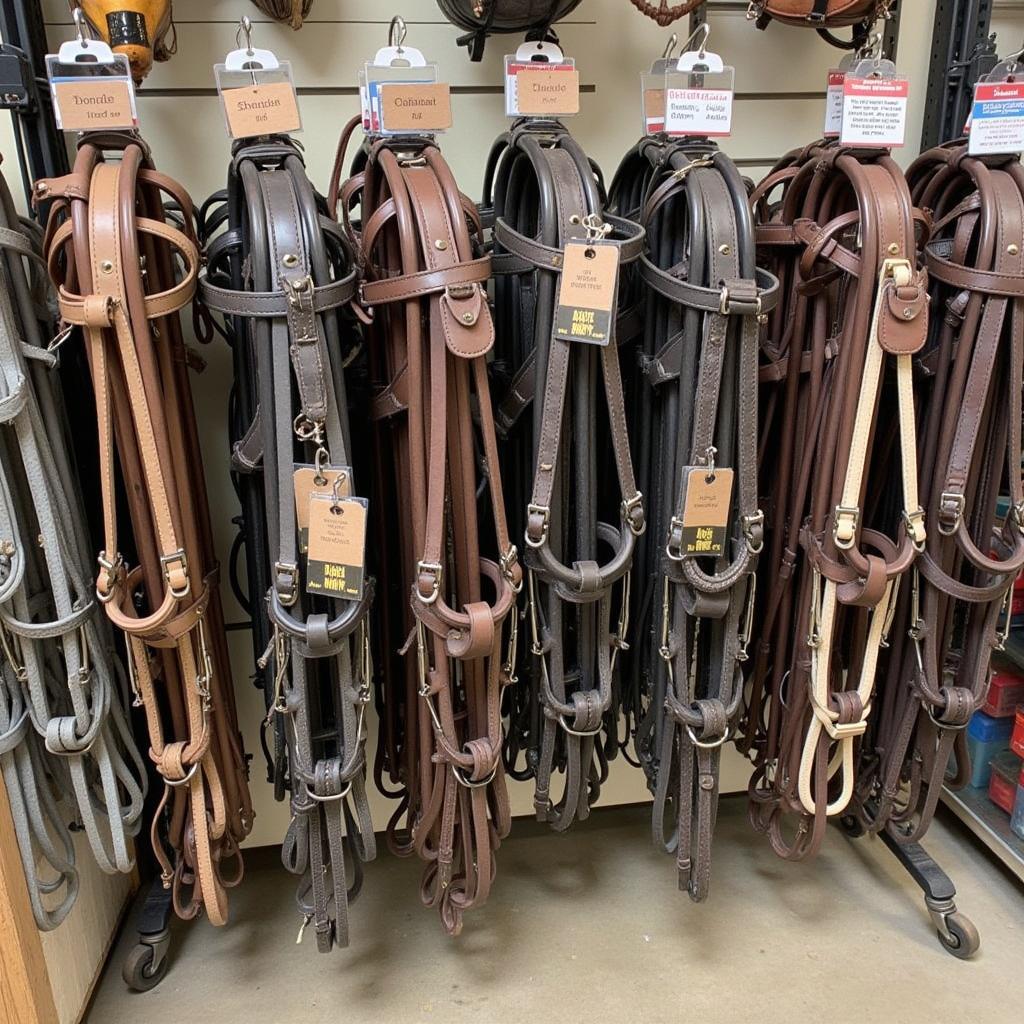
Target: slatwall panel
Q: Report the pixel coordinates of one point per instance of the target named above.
(780, 76)
(1008, 25)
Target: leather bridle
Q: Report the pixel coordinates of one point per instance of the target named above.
(124, 267)
(956, 611)
(282, 273)
(703, 301)
(64, 731)
(438, 491)
(546, 192)
(838, 473)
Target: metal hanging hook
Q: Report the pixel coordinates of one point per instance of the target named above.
(244, 27)
(670, 46)
(396, 32)
(79, 17)
(703, 30)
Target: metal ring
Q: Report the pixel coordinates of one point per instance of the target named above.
(181, 782)
(460, 776)
(333, 797)
(705, 745)
(576, 732)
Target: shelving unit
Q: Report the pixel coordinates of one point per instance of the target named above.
(973, 807)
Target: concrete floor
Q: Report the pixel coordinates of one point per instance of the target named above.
(590, 927)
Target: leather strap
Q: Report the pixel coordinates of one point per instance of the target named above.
(288, 283)
(100, 242)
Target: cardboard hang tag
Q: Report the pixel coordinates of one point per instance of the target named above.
(415, 107)
(269, 108)
(542, 90)
(87, 104)
(834, 103)
(587, 292)
(309, 481)
(706, 506)
(336, 565)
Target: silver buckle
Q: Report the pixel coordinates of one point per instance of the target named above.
(166, 561)
(433, 569)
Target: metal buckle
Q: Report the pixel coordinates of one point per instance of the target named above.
(460, 291)
(845, 515)
(628, 504)
(748, 522)
(166, 561)
(1017, 515)
(545, 512)
(950, 504)
(915, 525)
(291, 570)
(433, 569)
(672, 547)
(707, 744)
(508, 560)
(464, 780)
(111, 568)
(725, 304)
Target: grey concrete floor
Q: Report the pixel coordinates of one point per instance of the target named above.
(589, 926)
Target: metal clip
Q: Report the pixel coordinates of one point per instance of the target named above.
(748, 620)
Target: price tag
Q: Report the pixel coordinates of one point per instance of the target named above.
(706, 504)
(996, 123)
(703, 112)
(91, 88)
(541, 90)
(309, 480)
(416, 107)
(336, 566)
(267, 109)
(652, 94)
(834, 103)
(587, 292)
(874, 112)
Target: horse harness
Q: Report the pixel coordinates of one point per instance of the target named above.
(66, 735)
(438, 490)
(546, 194)
(838, 453)
(281, 273)
(113, 255)
(703, 304)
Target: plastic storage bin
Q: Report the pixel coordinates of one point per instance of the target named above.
(987, 737)
(1002, 785)
(1017, 818)
(1017, 737)
(1005, 692)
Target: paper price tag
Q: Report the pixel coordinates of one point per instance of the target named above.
(87, 104)
(266, 109)
(336, 566)
(834, 103)
(996, 123)
(587, 292)
(420, 107)
(702, 112)
(874, 112)
(538, 89)
(652, 89)
(307, 482)
(706, 506)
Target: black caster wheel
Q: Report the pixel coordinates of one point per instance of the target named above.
(851, 827)
(960, 938)
(145, 966)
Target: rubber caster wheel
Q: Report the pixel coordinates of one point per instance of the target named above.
(141, 971)
(850, 826)
(963, 939)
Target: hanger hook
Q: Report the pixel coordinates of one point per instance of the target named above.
(396, 32)
(80, 27)
(244, 27)
(703, 30)
(1012, 59)
(873, 41)
(670, 46)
